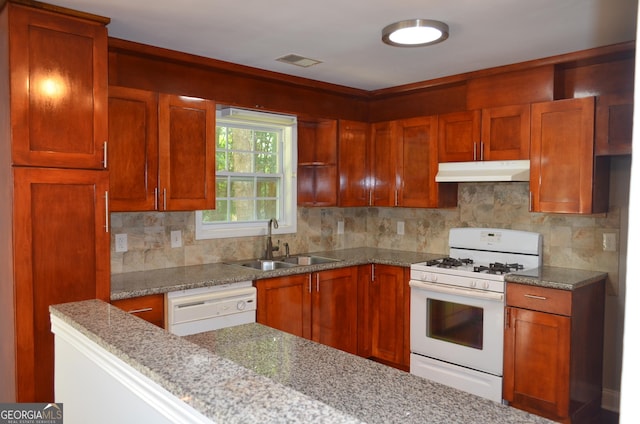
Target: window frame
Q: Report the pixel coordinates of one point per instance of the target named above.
(287, 221)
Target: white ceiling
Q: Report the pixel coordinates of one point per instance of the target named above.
(345, 34)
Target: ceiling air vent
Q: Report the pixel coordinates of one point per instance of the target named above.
(294, 59)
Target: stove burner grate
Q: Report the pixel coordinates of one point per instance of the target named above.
(498, 268)
(449, 262)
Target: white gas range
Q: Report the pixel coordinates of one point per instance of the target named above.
(457, 307)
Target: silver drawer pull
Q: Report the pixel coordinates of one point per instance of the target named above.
(533, 296)
(137, 311)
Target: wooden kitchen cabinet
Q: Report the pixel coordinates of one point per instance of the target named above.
(163, 151)
(353, 163)
(58, 86)
(384, 296)
(321, 306)
(614, 124)
(61, 254)
(133, 149)
(498, 133)
(53, 186)
(566, 176)
(150, 308)
(405, 163)
(317, 162)
(553, 351)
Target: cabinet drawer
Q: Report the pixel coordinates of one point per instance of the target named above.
(539, 298)
(149, 308)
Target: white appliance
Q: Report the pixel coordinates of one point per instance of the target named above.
(457, 307)
(203, 309)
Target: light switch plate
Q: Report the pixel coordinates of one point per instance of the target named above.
(400, 227)
(340, 227)
(176, 238)
(609, 242)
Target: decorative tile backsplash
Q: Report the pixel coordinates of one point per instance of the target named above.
(572, 241)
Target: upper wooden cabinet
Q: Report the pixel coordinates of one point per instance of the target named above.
(405, 163)
(58, 78)
(133, 149)
(497, 133)
(565, 175)
(353, 163)
(614, 124)
(162, 154)
(317, 162)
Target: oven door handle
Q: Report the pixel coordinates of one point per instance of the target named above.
(441, 288)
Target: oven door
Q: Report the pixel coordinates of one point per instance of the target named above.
(457, 325)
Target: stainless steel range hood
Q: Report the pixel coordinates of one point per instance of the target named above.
(477, 171)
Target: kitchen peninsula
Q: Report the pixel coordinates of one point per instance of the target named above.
(244, 374)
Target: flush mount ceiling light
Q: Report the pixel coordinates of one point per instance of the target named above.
(415, 33)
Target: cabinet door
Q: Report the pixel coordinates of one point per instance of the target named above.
(284, 303)
(506, 132)
(562, 156)
(58, 89)
(187, 153)
(133, 149)
(614, 124)
(61, 255)
(149, 308)
(353, 166)
(335, 308)
(418, 164)
(383, 164)
(387, 311)
(459, 136)
(536, 362)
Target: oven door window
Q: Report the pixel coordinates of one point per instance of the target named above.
(455, 323)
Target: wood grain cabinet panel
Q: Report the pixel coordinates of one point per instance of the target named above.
(150, 308)
(317, 162)
(61, 255)
(383, 163)
(614, 124)
(566, 177)
(58, 89)
(353, 163)
(133, 149)
(320, 306)
(497, 133)
(553, 348)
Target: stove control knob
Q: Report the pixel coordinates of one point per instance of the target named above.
(473, 284)
(425, 276)
(485, 285)
(434, 277)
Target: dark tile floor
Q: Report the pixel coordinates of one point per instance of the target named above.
(607, 417)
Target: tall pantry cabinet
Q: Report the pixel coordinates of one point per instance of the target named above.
(54, 243)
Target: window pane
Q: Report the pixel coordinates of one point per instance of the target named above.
(267, 163)
(266, 209)
(221, 137)
(221, 187)
(267, 187)
(241, 187)
(221, 161)
(240, 162)
(241, 210)
(241, 139)
(217, 215)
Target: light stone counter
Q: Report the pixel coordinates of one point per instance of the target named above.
(254, 374)
(556, 278)
(141, 283)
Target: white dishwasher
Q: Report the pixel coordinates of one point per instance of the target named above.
(203, 309)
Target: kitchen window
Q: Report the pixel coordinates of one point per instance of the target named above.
(255, 175)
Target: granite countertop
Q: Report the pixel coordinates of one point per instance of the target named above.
(252, 373)
(556, 278)
(142, 283)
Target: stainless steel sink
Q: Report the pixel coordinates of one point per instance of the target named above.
(265, 265)
(309, 260)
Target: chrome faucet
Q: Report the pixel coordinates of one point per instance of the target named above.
(268, 253)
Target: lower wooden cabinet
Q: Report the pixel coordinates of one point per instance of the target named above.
(553, 351)
(383, 330)
(149, 308)
(321, 306)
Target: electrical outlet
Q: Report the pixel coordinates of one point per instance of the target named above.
(176, 238)
(609, 242)
(121, 243)
(340, 227)
(400, 228)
